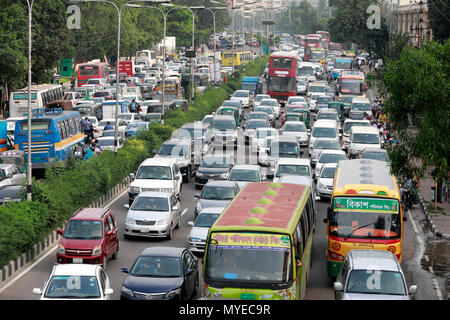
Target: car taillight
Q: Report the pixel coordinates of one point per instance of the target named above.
(335, 256)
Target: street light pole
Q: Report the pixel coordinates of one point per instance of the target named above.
(213, 10)
(29, 177)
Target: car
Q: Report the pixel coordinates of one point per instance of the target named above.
(281, 147)
(361, 104)
(322, 102)
(244, 96)
(346, 127)
(10, 193)
(362, 138)
(223, 131)
(296, 129)
(259, 97)
(153, 214)
(161, 273)
(213, 167)
(312, 100)
(251, 127)
(197, 131)
(90, 236)
(263, 151)
(233, 103)
(207, 119)
(372, 275)
(323, 144)
(323, 129)
(257, 115)
(325, 178)
(200, 227)
(329, 114)
(111, 133)
(288, 166)
(328, 156)
(315, 88)
(375, 154)
(271, 103)
(215, 194)
(107, 143)
(356, 115)
(76, 282)
(301, 87)
(156, 174)
(244, 173)
(122, 124)
(10, 174)
(133, 128)
(129, 117)
(270, 112)
(260, 135)
(295, 100)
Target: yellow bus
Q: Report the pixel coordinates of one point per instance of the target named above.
(365, 211)
(259, 248)
(240, 58)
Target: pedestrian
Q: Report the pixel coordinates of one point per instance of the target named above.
(382, 118)
(108, 126)
(370, 65)
(376, 66)
(133, 106)
(87, 127)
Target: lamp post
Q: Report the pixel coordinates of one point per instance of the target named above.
(119, 16)
(29, 177)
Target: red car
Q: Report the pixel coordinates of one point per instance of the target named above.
(90, 237)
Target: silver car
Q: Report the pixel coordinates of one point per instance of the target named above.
(200, 227)
(244, 173)
(215, 194)
(298, 130)
(372, 275)
(153, 214)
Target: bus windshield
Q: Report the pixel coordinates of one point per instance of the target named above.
(88, 70)
(226, 263)
(281, 63)
(365, 218)
(351, 87)
(342, 64)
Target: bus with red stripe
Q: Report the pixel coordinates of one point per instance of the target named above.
(313, 41)
(325, 38)
(282, 75)
(92, 70)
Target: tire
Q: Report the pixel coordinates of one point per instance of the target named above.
(105, 262)
(116, 253)
(187, 177)
(170, 234)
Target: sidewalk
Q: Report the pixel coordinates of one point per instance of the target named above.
(440, 220)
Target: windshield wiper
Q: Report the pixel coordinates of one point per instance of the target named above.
(366, 225)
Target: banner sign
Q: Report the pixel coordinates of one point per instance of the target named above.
(252, 240)
(365, 205)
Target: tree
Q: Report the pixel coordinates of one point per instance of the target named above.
(302, 19)
(417, 89)
(439, 16)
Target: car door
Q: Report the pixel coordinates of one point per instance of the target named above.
(114, 238)
(175, 210)
(177, 179)
(342, 278)
(189, 263)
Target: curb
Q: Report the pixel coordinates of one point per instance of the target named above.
(17, 265)
(430, 222)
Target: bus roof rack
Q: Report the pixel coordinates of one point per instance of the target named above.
(41, 112)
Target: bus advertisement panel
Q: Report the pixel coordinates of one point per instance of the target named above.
(282, 76)
(364, 213)
(270, 222)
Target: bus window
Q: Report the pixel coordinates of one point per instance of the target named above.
(305, 228)
(298, 238)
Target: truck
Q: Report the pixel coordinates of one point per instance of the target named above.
(109, 108)
(253, 84)
(126, 67)
(171, 46)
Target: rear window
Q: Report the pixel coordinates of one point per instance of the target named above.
(35, 125)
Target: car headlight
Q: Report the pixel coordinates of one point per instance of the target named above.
(162, 222)
(61, 249)
(135, 189)
(173, 293)
(224, 175)
(199, 174)
(321, 186)
(127, 291)
(97, 251)
(129, 220)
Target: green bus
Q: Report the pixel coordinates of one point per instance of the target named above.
(259, 248)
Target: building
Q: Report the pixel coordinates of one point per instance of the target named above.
(412, 19)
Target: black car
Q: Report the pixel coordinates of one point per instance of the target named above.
(161, 273)
(10, 193)
(213, 167)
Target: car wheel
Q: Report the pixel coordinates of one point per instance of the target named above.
(178, 225)
(104, 262)
(187, 177)
(116, 253)
(170, 234)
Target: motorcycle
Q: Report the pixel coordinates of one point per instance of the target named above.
(407, 198)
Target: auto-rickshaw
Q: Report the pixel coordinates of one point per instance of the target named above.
(339, 107)
(304, 112)
(230, 111)
(16, 157)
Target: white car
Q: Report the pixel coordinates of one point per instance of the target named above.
(295, 99)
(129, 117)
(122, 124)
(313, 100)
(288, 166)
(259, 98)
(301, 87)
(324, 186)
(346, 127)
(244, 96)
(272, 103)
(296, 129)
(76, 282)
(153, 214)
(263, 157)
(107, 143)
(244, 173)
(260, 135)
(323, 144)
(328, 156)
(200, 227)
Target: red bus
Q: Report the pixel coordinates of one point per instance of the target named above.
(335, 47)
(313, 41)
(325, 38)
(282, 76)
(95, 70)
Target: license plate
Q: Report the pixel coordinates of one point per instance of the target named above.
(77, 260)
(145, 230)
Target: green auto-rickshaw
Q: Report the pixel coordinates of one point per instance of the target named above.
(339, 107)
(232, 111)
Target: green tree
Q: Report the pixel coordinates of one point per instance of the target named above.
(439, 16)
(302, 19)
(417, 88)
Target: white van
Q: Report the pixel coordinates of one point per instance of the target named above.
(361, 104)
(323, 129)
(361, 138)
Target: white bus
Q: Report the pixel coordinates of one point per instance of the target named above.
(41, 94)
(148, 56)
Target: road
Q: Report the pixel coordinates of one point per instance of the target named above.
(319, 286)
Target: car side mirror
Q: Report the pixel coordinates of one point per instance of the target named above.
(124, 270)
(197, 195)
(60, 232)
(37, 291)
(191, 223)
(109, 291)
(412, 289)
(126, 206)
(337, 286)
(132, 176)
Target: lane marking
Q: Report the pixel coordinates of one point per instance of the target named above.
(438, 290)
(184, 211)
(416, 230)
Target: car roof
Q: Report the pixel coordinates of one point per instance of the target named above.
(329, 165)
(286, 138)
(302, 180)
(75, 269)
(7, 165)
(325, 151)
(162, 251)
(89, 214)
(325, 123)
(223, 117)
(155, 194)
(364, 129)
(220, 183)
(301, 161)
(218, 210)
(158, 161)
(177, 141)
(352, 120)
(368, 259)
(246, 167)
(379, 150)
(358, 99)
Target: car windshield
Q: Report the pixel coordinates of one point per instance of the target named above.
(72, 287)
(356, 115)
(319, 132)
(388, 282)
(260, 97)
(382, 156)
(205, 220)
(328, 173)
(347, 99)
(283, 148)
(265, 133)
(136, 125)
(224, 125)
(328, 116)
(361, 106)
(84, 229)
(125, 116)
(252, 115)
(268, 103)
(154, 172)
(325, 100)
(224, 112)
(217, 193)
(106, 142)
(155, 266)
(301, 83)
(327, 144)
(244, 175)
(231, 104)
(174, 150)
(240, 94)
(215, 162)
(296, 127)
(268, 110)
(306, 71)
(349, 125)
(256, 124)
(316, 88)
(366, 138)
(292, 169)
(150, 204)
(331, 157)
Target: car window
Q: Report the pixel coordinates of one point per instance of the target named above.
(106, 227)
(111, 222)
